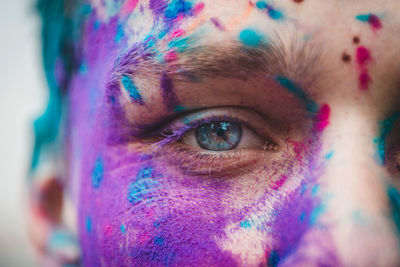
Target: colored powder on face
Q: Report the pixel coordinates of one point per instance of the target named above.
(122, 229)
(128, 7)
(167, 92)
(88, 224)
(371, 19)
(364, 80)
(316, 213)
(177, 33)
(158, 240)
(315, 190)
(363, 55)
(322, 118)
(298, 92)
(278, 184)
(385, 127)
(170, 56)
(142, 188)
(132, 89)
(98, 172)
(120, 34)
(179, 44)
(245, 224)
(394, 198)
(217, 24)
(329, 155)
(273, 259)
(272, 12)
(176, 8)
(198, 8)
(250, 37)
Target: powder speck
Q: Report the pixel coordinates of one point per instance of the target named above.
(132, 89)
(98, 172)
(250, 37)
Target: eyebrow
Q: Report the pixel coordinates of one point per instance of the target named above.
(294, 65)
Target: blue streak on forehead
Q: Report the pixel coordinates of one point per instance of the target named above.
(385, 127)
(298, 92)
(132, 89)
(177, 7)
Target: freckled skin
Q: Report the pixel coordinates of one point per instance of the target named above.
(145, 210)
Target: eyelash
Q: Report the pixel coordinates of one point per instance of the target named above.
(196, 161)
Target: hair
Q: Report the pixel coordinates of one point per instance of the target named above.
(60, 36)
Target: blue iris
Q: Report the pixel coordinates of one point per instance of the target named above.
(219, 136)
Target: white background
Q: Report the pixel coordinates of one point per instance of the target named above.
(22, 98)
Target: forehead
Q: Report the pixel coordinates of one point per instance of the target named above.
(326, 28)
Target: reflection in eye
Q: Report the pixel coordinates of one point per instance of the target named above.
(219, 136)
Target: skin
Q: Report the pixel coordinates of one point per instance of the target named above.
(315, 195)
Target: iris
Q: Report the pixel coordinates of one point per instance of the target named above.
(219, 136)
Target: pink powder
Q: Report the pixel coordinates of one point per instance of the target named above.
(364, 80)
(198, 8)
(177, 33)
(171, 56)
(375, 22)
(278, 184)
(363, 55)
(323, 118)
(129, 6)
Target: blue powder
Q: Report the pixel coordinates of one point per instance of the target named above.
(145, 172)
(245, 224)
(141, 188)
(250, 37)
(394, 198)
(275, 14)
(178, 7)
(98, 172)
(363, 17)
(120, 34)
(302, 216)
(261, 5)
(314, 190)
(158, 240)
(316, 213)
(272, 12)
(88, 224)
(386, 127)
(298, 92)
(132, 89)
(273, 259)
(123, 229)
(329, 155)
(180, 44)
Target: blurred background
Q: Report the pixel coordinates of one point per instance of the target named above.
(22, 98)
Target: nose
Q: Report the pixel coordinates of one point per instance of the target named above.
(354, 193)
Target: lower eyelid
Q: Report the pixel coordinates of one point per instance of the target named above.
(198, 162)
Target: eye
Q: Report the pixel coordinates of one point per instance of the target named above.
(219, 135)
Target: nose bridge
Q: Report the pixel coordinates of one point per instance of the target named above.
(354, 192)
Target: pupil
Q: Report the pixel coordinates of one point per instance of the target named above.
(219, 136)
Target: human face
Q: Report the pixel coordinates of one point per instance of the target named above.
(237, 132)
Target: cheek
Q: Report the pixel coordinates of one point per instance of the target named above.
(136, 209)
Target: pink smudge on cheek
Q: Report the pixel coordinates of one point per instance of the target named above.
(177, 33)
(363, 57)
(128, 7)
(278, 184)
(322, 118)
